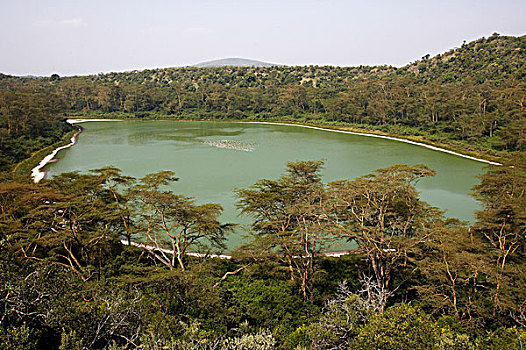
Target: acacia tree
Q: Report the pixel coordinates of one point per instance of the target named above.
(114, 182)
(75, 225)
(290, 221)
(341, 319)
(173, 223)
(383, 214)
(454, 266)
(502, 223)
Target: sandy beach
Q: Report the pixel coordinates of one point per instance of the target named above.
(37, 174)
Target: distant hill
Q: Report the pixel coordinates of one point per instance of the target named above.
(236, 62)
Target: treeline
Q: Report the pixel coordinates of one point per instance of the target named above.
(417, 281)
(30, 119)
(488, 115)
(472, 97)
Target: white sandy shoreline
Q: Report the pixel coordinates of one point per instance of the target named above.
(334, 254)
(77, 121)
(434, 148)
(37, 174)
(420, 144)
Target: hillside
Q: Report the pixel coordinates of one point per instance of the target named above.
(493, 59)
(487, 59)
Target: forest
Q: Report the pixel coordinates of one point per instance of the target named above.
(99, 260)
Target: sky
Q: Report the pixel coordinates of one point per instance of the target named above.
(77, 37)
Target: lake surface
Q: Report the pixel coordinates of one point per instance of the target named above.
(212, 159)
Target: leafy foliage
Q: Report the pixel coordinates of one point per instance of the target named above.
(400, 327)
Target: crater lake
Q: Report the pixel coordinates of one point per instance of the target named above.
(213, 159)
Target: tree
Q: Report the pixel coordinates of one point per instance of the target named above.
(453, 274)
(75, 225)
(173, 223)
(341, 319)
(262, 340)
(399, 327)
(18, 338)
(502, 223)
(382, 213)
(290, 221)
(113, 181)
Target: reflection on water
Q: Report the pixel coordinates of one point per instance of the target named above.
(183, 134)
(211, 174)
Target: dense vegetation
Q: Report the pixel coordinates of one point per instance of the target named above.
(30, 120)
(73, 276)
(417, 279)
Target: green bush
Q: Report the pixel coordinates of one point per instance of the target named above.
(503, 338)
(400, 327)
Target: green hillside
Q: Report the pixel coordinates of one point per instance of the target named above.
(494, 60)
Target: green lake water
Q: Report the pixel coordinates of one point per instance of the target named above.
(210, 173)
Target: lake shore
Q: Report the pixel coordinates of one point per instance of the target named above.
(169, 125)
(338, 129)
(393, 138)
(37, 173)
(333, 254)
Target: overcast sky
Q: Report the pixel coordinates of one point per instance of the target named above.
(41, 37)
